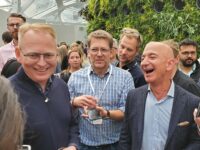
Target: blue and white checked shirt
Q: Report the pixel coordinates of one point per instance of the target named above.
(113, 97)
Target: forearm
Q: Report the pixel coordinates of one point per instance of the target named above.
(117, 115)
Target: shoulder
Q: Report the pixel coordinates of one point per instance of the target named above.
(6, 47)
(58, 81)
(183, 94)
(139, 91)
(120, 71)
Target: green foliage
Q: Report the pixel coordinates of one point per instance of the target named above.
(113, 15)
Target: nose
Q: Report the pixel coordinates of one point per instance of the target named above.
(16, 26)
(99, 53)
(41, 60)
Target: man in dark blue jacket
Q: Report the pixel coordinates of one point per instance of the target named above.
(129, 43)
(50, 121)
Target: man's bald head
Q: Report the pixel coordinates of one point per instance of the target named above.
(163, 48)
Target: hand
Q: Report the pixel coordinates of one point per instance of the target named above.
(196, 119)
(85, 101)
(70, 148)
(102, 111)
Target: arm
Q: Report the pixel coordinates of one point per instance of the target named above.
(197, 120)
(84, 101)
(117, 115)
(125, 136)
(194, 138)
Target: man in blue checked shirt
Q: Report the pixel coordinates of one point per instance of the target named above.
(99, 93)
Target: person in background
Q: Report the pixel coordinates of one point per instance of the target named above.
(160, 114)
(12, 118)
(45, 98)
(6, 37)
(74, 64)
(178, 77)
(197, 119)
(14, 21)
(79, 47)
(62, 53)
(64, 44)
(113, 58)
(129, 43)
(10, 68)
(189, 63)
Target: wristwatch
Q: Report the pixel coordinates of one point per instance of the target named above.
(108, 113)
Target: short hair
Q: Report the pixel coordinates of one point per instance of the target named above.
(6, 37)
(37, 27)
(17, 16)
(187, 42)
(115, 42)
(131, 33)
(100, 34)
(11, 117)
(173, 45)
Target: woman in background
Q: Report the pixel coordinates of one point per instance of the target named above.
(74, 61)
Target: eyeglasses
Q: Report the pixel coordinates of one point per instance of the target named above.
(186, 53)
(97, 50)
(34, 57)
(14, 24)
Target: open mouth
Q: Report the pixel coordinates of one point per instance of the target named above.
(148, 71)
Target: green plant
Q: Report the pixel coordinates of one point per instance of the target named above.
(170, 23)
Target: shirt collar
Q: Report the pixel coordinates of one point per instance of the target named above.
(91, 71)
(129, 65)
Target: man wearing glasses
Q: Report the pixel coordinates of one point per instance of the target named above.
(99, 92)
(129, 43)
(188, 62)
(8, 51)
(44, 97)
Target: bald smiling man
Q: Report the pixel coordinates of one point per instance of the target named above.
(159, 115)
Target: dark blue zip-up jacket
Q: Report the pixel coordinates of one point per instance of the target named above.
(50, 124)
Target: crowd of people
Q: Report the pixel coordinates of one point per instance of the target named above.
(106, 96)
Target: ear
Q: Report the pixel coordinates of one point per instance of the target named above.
(171, 63)
(18, 54)
(112, 53)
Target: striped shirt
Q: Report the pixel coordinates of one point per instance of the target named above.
(118, 82)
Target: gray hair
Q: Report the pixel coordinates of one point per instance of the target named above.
(11, 117)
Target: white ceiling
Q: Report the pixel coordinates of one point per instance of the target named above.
(51, 11)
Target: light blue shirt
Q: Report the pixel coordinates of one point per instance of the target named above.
(112, 98)
(156, 120)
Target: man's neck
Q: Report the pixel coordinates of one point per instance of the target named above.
(160, 90)
(184, 69)
(100, 72)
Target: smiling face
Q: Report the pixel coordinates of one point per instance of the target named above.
(34, 43)
(157, 62)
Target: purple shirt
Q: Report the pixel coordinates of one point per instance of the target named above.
(6, 52)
